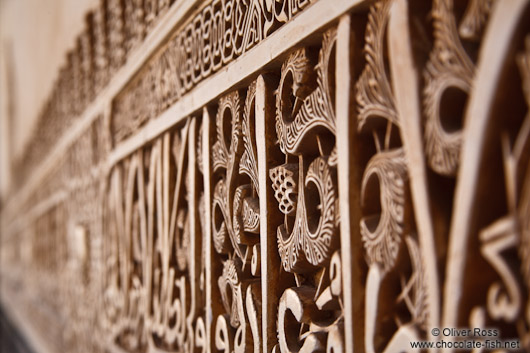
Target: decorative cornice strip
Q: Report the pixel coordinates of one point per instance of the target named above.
(317, 16)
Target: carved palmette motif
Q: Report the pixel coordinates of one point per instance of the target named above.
(305, 187)
(395, 239)
(305, 244)
(387, 225)
(236, 224)
(449, 74)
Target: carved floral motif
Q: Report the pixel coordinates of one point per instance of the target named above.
(236, 223)
(449, 73)
(305, 187)
(387, 228)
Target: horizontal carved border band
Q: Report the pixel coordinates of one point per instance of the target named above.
(214, 36)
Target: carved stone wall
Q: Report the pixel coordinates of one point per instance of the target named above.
(278, 176)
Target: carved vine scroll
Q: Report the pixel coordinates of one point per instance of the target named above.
(305, 187)
(236, 224)
(387, 227)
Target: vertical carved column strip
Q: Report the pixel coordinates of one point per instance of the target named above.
(105, 177)
(206, 142)
(351, 277)
(107, 128)
(195, 241)
(264, 136)
(497, 45)
(405, 85)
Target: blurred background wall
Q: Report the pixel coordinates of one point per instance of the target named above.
(34, 37)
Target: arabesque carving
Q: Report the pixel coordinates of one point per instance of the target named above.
(305, 187)
(277, 176)
(236, 224)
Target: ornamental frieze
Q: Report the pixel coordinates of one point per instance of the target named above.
(279, 176)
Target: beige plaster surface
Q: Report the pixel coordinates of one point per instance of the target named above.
(34, 38)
